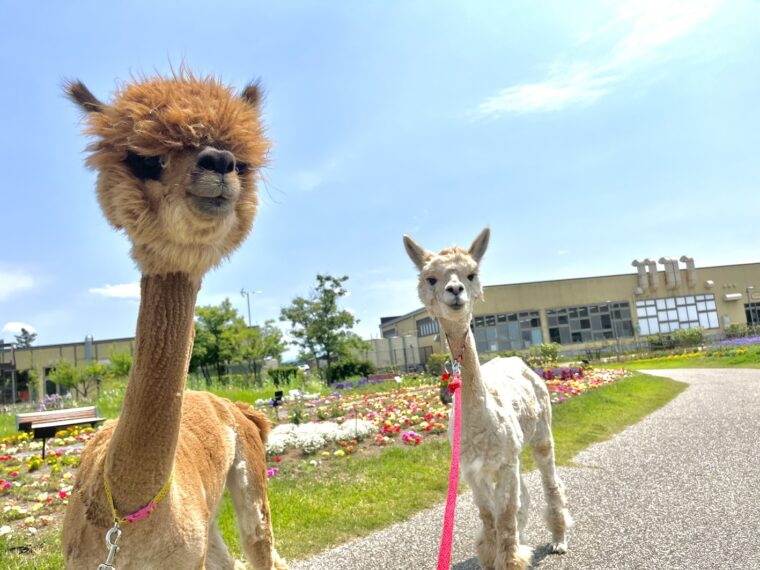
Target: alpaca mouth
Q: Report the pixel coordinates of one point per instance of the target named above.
(211, 196)
(211, 205)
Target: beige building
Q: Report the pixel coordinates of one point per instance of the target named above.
(14, 364)
(398, 353)
(659, 297)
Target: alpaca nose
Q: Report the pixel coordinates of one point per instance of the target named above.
(455, 288)
(215, 160)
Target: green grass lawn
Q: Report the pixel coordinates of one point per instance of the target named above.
(750, 359)
(339, 500)
(322, 509)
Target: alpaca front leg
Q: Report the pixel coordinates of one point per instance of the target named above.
(486, 543)
(558, 517)
(218, 556)
(522, 512)
(510, 554)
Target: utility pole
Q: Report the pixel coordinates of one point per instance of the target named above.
(247, 295)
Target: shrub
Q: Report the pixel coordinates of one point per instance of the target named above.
(688, 337)
(283, 375)
(542, 355)
(436, 363)
(348, 368)
(661, 341)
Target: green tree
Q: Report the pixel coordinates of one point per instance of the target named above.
(65, 374)
(318, 326)
(81, 380)
(217, 331)
(25, 338)
(121, 363)
(256, 344)
(91, 376)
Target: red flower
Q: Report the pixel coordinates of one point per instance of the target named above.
(277, 459)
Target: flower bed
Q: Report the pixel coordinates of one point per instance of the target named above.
(338, 427)
(33, 490)
(570, 382)
(744, 341)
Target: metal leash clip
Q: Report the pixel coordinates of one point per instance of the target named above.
(112, 542)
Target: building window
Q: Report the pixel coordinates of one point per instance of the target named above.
(752, 310)
(507, 331)
(673, 313)
(588, 323)
(390, 333)
(427, 327)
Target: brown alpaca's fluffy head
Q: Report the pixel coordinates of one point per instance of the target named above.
(449, 283)
(178, 160)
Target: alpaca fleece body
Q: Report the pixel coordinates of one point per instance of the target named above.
(177, 161)
(505, 407)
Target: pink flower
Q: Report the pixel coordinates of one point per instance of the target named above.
(13, 473)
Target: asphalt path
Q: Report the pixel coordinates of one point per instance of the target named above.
(678, 490)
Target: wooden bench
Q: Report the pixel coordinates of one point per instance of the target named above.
(46, 424)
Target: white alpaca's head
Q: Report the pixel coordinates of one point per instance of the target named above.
(449, 283)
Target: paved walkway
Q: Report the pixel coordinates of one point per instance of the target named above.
(678, 490)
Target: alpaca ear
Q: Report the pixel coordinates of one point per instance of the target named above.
(415, 252)
(252, 94)
(83, 97)
(480, 245)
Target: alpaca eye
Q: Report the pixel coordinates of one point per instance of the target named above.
(472, 276)
(432, 280)
(241, 167)
(144, 167)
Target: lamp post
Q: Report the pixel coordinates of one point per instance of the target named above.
(247, 295)
(749, 305)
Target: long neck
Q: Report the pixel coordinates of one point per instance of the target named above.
(141, 452)
(461, 342)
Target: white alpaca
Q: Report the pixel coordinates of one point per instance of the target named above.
(505, 406)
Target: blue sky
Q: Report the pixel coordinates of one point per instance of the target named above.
(586, 134)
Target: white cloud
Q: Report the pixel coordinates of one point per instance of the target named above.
(14, 327)
(636, 33)
(580, 87)
(12, 282)
(122, 291)
(563, 251)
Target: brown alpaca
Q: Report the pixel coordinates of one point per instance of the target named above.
(177, 161)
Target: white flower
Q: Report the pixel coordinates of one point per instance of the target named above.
(5, 529)
(312, 437)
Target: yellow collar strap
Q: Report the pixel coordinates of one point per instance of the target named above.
(143, 513)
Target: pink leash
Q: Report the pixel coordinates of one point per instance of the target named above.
(447, 536)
